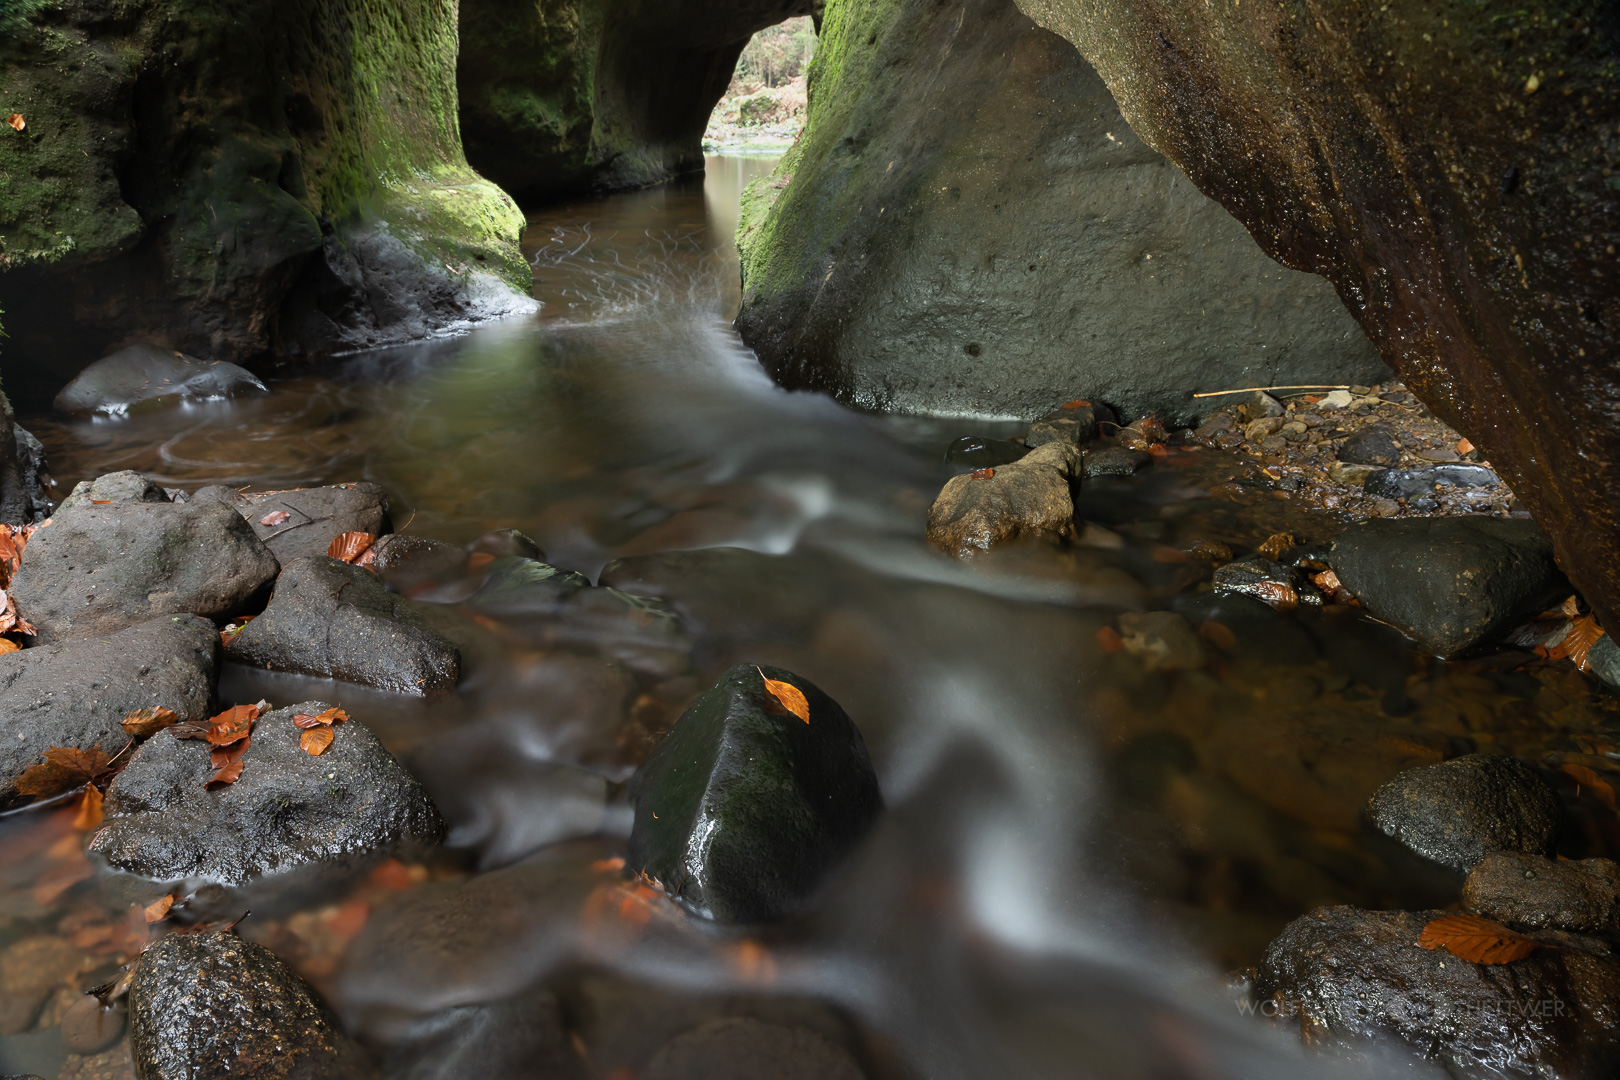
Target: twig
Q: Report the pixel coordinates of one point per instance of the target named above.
(1268, 389)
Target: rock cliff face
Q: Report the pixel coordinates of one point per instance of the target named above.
(569, 95)
(1454, 170)
(967, 225)
(239, 179)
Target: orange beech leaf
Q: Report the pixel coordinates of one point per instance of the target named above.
(63, 769)
(1276, 544)
(316, 740)
(89, 815)
(982, 474)
(1571, 607)
(222, 756)
(143, 723)
(1278, 594)
(158, 910)
(351, 545)
(1158, 450)
(228, 775)
(349, 919)
(1217, 634)
(1584, 632)
(1328, 582)
(787, 697)
(192, 729)
(393, 874)
(1464, 446)
(1109, 639)
(331, 716)
(8, 646)
(274, 518)
(1587, 778)
(16, 121)
(233, 724)
(1077, 403)
(1477, 940)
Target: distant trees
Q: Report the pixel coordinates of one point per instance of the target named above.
(776, 55)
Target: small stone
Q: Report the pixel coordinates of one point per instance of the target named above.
(202, 1000)
(977, 511)
(1215, 424)
(742, 1048)
(1361, 391)
(744, 806)
(1442, 454)
(1456, 812)
(507, 542)
(1532, 892)
(1350, 475)
(1264, 579)
(1256, 430)
(1408, 483)
(1261, 404)
(1273, 444)
(408, 563)
(1114, 461)
(89, 1027)
(1162, 640)
(147, 374)
(1072, 426)
(1373, 445)
(977, 452)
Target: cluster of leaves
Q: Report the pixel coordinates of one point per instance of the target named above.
(1579, 633)
(358, 548)
(317, 729)
(68, 769)
(230, 734)
(13, 538)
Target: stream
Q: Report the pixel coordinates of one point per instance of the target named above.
(1076, 851)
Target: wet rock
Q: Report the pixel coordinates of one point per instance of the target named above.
(213, 1004)
(642, 633)
(147, 374)
(521, 1036)
(1162, 640)
(1372, 445)
(1256, 430)
(1074, 426)
(1115, 461)
(118, 487)
(25, 482)
(30, 970)
(98, 569)
(503, 542)
(1260, 404)
(1604, 660)
(1359, 975)
(977, 452)
(975, 511)
(288, 809)
(89, 1027)
(314, 516)
(408, 563)
(742, 810)
(1529, 891)
(1442, 454)
(1452, 584)
(518, 586)
(73, 694)
(1407, 483)
(1341, 472)
(742, 1048)
(1456, 812)
(1215, 424)
(1266, 580)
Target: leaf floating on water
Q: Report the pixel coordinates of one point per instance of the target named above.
(63, 769)
(1276, 544)
(788, 698)
(144, 723)
(228, 775)
(16, 121)
(316, 740)
(89, 815)
(158, 910)
(233, 724)
(351, 545)
(1588, 778)
(1477, 940)
(274, 518)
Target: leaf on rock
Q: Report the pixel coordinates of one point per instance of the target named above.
(13, 538)
(1571, 607)
(1278, 594)
(227, 755)
(228, 775)
(1276, 544)
(331, 716)
(1588, 778)
(1584, 632)
(233, 630)
(982, 474)
(1477, 940)
(274, 518)
(8, 646)
(1464, 446)
(786, 697)
(351, 545)
(89, 815)
(158, 910)
(233, 724)
(192, 729)
(144, 723)
(16, 121)
(1077, 403)
(63, 769)
(316, 740)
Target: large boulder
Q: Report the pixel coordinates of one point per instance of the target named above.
(745, 806)
(212, 1004)
(1450, 173)
(73, 694)
(140, 374)
(99, 568)
(334, 620)
(288, 809)
(24, 478)
(968, 224)
(269, 179)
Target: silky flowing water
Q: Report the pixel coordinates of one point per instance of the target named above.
(1076, 849)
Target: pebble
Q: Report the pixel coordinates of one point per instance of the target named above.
(1373, 445)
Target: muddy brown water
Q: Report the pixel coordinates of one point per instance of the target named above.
(1076, 850)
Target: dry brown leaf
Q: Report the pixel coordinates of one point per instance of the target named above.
(1570, 607)
(1077, 403)
(1464, 446)
(329, 717)
(1589, 779)
(1477, 940)
(787, 697)
(63, 769)
(274, 518)
(228, 775)
(89, 815)
(316, 740)
(16, 121)
(233, 724)
(1276, 544)
(158, 910)
(982, 474)
(8, 646)
(351, 545)
(222, 756)
(1584, 632)
(1278, 594)
(144, 723)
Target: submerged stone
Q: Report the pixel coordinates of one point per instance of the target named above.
(518, 586)
(1373, 445)
(743, 808)
(146, 373)
(1456, 812)
(408, 563)
(1115, 461)
(502, 542)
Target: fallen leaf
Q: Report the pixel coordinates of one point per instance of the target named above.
(233, 630)
(144, 723)
(233, 724)
(1464, 446)
(789, 697)
(1571, 607)
(8, 646)
(1328, 582)
(351, 545)
(982, 474)
(1217, 634)
(316, 740)
(1477, 940)
(62, 770)
(393, 874)
(478, 560)
(16, 120)
(1276, 544)
(329, 717)
(158, 910)
(192, 729)
(89, 815)
(226, 755)
(1584, 632)
(275, 517)
(1109, 639)
(1278, 594)
(1588, 778)
(228, 775)
(349, 919)
(1077, 403)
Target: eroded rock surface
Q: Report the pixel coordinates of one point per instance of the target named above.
(1456, 812)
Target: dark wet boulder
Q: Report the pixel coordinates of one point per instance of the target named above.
(74, 693)
(1266, 580)
(1408, 483)
(303, 522)
(978, 452)
(503, 542)
(1530, 891)
(1115, 461)
(1075, 424)
(516, 586)
(332, 619)
(1456, 812)
(744, 807)
(407, 563)
(1033, 496)
(97, 569)
(742, 1048)
(1604, 661)
(1372, 445)
(212, 1004)
(25, 480)
(1452, 584)
(288, 809)
(1360, 975)
(147, 375)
